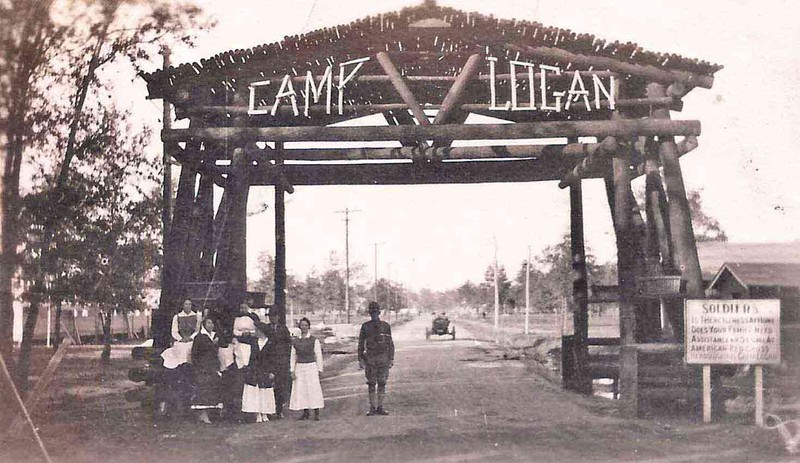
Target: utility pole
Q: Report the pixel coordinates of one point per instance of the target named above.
(496, 290)
(346, 213)
(528, 291)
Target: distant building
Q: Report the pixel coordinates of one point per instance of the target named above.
(754, 271)
(744, 280)
(713, 254)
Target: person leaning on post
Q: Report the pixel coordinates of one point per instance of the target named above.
(376, 357)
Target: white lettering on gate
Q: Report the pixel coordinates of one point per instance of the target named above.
(313, 93)
(548, 100)
(343, 81)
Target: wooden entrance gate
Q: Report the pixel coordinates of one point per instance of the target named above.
(585, 108)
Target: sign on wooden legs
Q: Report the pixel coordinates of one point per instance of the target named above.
(733, 332)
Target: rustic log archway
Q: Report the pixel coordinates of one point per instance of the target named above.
(611, 101)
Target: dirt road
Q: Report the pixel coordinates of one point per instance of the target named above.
(449, 401)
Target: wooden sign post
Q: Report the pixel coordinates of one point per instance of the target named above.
(733, 332)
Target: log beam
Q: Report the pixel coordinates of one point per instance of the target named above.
(460, 153)
(408, 173)
(358, 110)
(651, 73)
(402, 88)
(600, 129)
(456, 93)
(608, 146)
(685, 146)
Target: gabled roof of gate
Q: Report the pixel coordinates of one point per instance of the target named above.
(451, 34)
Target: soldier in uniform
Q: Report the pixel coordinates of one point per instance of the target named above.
(376, 356)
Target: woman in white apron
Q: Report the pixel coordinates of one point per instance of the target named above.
(306, 365)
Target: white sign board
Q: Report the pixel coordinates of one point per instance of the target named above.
(739, 331)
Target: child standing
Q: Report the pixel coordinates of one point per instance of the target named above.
(258, 395)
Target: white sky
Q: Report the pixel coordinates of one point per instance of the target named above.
(439, 236)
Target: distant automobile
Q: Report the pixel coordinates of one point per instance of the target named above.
(441, 326)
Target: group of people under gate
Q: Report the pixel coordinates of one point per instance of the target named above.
(236, 367)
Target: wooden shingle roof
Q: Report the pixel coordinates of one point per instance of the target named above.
(451, 33)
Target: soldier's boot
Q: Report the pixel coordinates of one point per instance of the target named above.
(379, 409)
(372, 400)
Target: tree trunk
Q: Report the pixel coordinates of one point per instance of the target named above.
(105, 357)
(9, 209)
(57, 334)
(83, 85)
(26, 347)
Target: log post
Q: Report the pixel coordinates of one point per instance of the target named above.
(648, 315)
(629, 381)
(658, 230)
(205, 219)
(683, 241)
(280, 244)
(201, 226)
(221, 241)
(580, 291)
(175, 262)
(618, 188)
(237, 226)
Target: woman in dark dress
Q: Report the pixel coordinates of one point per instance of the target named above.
(258, 395)
(206, 369)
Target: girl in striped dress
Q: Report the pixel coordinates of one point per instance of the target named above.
(306, 365)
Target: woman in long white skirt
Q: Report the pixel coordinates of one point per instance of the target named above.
(258, 395)
(306, 365)
(186, 326)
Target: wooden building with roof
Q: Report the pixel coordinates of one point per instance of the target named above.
(576, 106)
(754, 271)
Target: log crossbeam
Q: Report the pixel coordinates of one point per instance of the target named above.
(672, 103)
(409, 173)
(588, 164)
(624, 128)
